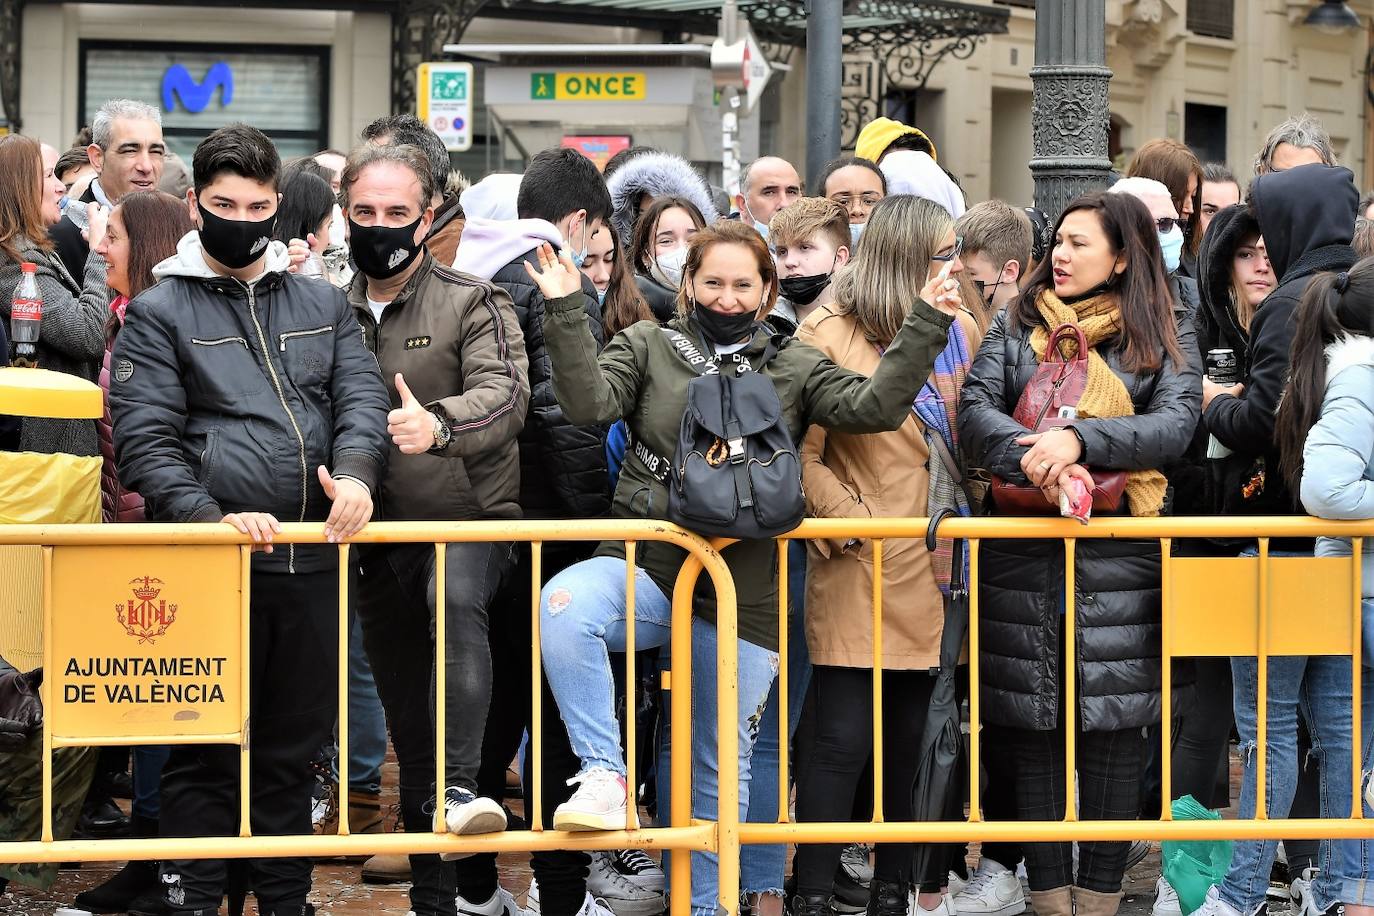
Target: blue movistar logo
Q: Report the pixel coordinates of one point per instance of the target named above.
(195, 96)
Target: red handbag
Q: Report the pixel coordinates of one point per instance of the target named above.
(1050, 401)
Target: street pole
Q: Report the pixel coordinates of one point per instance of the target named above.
(824, 72)
(1069, 108)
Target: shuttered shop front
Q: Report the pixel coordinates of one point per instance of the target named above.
(198, 88)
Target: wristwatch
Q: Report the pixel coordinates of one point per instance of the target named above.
(442, 434)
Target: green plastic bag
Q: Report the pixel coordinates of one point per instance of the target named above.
(1192, 866)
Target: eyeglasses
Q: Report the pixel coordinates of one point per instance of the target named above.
(953, 252)
(868, 199)
(1166, 224)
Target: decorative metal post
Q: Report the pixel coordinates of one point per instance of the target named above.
(11, 55)
(1069, 110)
(824, 76)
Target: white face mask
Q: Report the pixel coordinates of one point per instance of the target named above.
(667, 268)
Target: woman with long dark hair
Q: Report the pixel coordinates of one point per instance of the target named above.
(658, 251)
(1137, 413)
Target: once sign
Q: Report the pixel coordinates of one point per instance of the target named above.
(576, 86)
(146, 642)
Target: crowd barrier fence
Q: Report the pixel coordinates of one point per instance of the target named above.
(95, 576)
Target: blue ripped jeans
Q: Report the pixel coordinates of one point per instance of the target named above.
(582, 620)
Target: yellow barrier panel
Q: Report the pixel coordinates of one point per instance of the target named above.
(1230, 606)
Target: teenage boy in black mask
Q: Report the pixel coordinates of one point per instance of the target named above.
(810, 241)
(243, 394)
(455, 340)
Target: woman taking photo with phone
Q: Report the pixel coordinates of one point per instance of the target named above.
(1139, 406)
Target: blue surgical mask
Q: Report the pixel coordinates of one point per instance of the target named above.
(580, 256)
(855, 230)
(62, 204)
(760, 228)
(1171, 244)
(601, 296)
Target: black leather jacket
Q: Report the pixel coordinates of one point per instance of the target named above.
(227, 398)
(562, 466)
(1117, 587)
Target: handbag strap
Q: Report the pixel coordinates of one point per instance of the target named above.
(952, 466)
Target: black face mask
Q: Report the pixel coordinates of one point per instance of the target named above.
(982, 287)
(232, 242)
(381, 252)
(720, 329)
(803, 290)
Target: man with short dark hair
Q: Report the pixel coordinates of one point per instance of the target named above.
(127, 152)
(562, 202)
(447, 228)
(452, 345)
(242, 393)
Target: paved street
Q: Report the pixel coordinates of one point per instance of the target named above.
(339, 891)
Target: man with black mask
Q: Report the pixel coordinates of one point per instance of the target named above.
(242, 393)
(810, 241)
(453, 355)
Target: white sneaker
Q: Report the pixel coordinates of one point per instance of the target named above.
(636, 865)
(1302, 900)
(954, 885)
(915, 909)
(466, 813)
(532, 898)
(1213, 905)
(605, 883)
(1166, 900)
(502, 903)
(598, 803)
(992, 890)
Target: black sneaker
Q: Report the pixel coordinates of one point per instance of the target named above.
(808, 905)
(888, 898)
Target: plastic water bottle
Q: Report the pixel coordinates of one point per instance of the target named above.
(26, 314)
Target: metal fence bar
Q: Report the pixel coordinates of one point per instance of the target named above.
(1068, 681)
(245, 691)
(1262, 686)
(440, 688)
(631, 707)
(1166, 690)
(344, 634)
(535, 814)
(975, 711)
(784, 650)
(877, 752)
(1356, 681)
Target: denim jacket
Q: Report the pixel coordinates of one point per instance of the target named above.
(1338, 459)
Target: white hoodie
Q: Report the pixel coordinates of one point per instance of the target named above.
(189, 261)
(490, 244)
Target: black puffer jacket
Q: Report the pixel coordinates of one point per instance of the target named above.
(227, 398)
(1117, 588)
(1307, 218)
(562, 467)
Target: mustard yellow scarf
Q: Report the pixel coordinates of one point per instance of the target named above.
(1099, 317)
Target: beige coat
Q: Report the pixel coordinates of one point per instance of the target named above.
(862, 476)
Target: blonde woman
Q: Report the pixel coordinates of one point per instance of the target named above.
(908, 243)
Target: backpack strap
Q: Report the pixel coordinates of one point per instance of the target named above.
(691, 352)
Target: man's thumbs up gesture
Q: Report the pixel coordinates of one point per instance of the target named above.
(411, 426)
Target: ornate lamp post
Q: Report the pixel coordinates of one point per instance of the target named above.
(1069, 111)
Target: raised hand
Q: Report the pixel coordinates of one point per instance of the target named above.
(557, 276)
(411, 426)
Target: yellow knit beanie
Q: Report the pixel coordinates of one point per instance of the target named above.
(880, 133)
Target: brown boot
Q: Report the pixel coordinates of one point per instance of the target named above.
(1055, 902)
(1092, 903)
(386, 869)
(364, 812)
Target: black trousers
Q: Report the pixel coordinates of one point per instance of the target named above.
(293, 682)
(396, 608)
(840, 747)
(562, 875)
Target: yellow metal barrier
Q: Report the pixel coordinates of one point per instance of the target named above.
(1211, 607)
(81, 560)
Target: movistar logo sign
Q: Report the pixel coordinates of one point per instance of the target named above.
(177, 83)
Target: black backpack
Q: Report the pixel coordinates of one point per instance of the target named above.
(736, 472)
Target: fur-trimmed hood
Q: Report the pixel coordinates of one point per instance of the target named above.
(658, 175)
(1346, 353)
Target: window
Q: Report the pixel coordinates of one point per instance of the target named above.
(1213, 18)
(1204, 129)
(199, 88)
